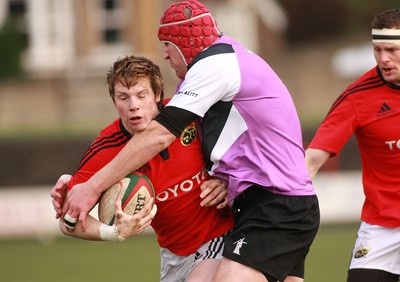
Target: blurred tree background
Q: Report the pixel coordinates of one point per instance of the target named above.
(312, 21)
(11, 47)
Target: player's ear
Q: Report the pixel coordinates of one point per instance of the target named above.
(157, 97)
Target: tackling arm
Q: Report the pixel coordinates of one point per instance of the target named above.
(139, 150)
(315, 158)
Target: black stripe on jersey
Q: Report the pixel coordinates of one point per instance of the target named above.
(115, 140)
(175, 119)
(219, 48)
(370, 83)
(213, 124)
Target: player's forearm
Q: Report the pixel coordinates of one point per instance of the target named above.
(138, 151)
(94, 231)
(91, 232)
(315, 158)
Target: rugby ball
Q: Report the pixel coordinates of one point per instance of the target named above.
(136, 189)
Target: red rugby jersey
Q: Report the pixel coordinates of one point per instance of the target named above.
(181, 225)
(369, 108)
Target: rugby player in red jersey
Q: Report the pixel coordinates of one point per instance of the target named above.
(190, 229)
(370, 109)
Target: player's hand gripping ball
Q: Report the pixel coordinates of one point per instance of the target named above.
(136, 190)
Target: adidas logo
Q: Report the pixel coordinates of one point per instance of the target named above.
(385, 110)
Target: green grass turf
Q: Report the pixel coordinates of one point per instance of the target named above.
(137, 259)
(330, 253)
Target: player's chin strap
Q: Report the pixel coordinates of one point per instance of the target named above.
(386, 35)
(110, 233)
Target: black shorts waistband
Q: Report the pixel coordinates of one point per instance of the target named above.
(252, 191)
(251, 194)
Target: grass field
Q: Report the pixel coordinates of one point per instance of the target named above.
(137, 259)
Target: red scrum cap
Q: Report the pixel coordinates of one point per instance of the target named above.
(190, 27)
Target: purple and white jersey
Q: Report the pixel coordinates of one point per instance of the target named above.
(251, 130)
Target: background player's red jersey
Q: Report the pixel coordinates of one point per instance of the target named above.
(370, 109)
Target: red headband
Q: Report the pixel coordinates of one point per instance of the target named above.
(190, 27)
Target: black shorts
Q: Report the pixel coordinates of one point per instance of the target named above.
(273, 233)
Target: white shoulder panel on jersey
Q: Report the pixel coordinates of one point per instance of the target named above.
(212, 79)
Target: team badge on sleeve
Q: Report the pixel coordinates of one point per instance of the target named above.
(188, 135)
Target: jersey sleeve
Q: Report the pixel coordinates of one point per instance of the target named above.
(336, 128)
(100, 152)
(175, 119)
(212, 79)
(85, 172)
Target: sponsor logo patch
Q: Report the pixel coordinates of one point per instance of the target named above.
(385, 110)
(361, 252)
(188, 135)
(239, 244)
